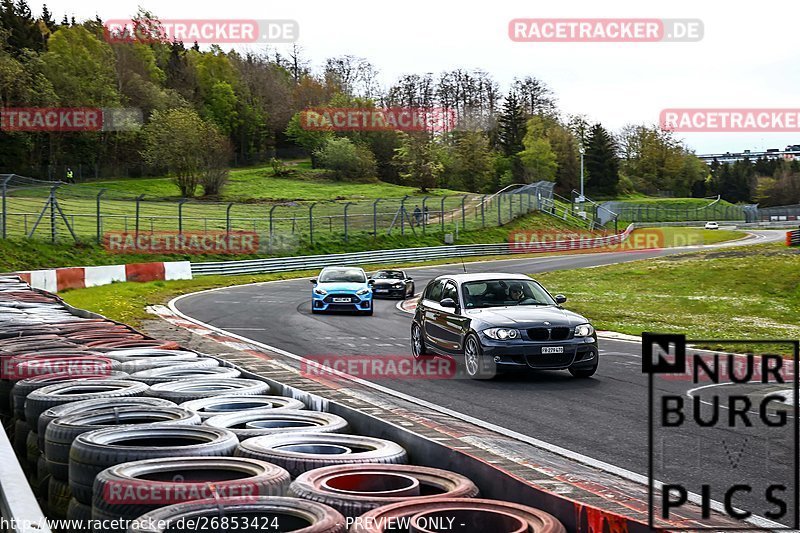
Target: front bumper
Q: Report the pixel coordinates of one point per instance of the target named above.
(579, 352)
(331, 302)
(386, 292)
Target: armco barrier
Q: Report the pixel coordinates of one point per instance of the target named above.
(61, 279)
(405, 255)
(793, 238)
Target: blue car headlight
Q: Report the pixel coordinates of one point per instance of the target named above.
(320, 291)
(364, 291)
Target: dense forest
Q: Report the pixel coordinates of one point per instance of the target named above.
(207, 109)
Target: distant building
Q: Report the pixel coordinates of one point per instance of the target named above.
(789, 153)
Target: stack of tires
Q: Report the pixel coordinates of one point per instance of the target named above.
(140, 435)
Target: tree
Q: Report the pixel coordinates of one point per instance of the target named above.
(309, 140)
(215, 154)
(510, 133)
(538, 160)
(418, 161)
(81, 68)
(345, 159)
(534, 96)
(472, 161)
(563, 144)
(178, 139)
(601, 162)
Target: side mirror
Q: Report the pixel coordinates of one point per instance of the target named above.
(409, 280)
(371, 281)
(313, 281)
(448, 302)
(560, 299)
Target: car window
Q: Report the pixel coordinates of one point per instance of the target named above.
(450, 292)
(388, 274)
(504, 292)
(434, 291)
(343, 275)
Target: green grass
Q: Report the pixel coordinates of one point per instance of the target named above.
(736, 293)
(679, 236)
(259, 184)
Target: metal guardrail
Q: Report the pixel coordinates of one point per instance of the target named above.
(793, 238)
(404, 255)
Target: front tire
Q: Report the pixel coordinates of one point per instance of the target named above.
(418, 348)
(475, 364)
(583, 373)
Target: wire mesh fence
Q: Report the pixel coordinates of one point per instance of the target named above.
(57, 211)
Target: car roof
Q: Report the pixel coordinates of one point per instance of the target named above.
(463, 278)
(342, 268)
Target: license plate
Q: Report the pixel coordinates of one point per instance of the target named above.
(552, 349)
(341, 300)
(381, 290)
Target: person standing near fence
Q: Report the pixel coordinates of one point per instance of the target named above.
(417, 215)
(70, 176)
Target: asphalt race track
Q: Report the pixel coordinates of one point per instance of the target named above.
(604, 418)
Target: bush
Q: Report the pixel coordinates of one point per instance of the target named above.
(345, 160)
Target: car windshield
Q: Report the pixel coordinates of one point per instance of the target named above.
(388, 274)
(343, 275)
(504, 292)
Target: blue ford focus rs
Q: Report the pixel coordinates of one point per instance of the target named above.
(341, 288)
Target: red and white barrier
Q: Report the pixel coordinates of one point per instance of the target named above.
(60, 279)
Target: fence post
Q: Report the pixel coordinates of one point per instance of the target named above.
(403, 215)
(138, 200)
(463, 212)
(311, 222)
(53, 231)
(228, 218)
(375, 217)
(510, 208)
(180, 215)
(5, 206)
(424, 214)
(271, 213)
(499, 208)
(346, 206)
(99, 220)
(441, 213)
(483, 211)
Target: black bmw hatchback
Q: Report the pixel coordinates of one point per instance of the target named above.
(501, 322)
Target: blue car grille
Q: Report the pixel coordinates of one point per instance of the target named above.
(350, 298)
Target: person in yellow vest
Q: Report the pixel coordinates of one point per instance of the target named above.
(70, 176)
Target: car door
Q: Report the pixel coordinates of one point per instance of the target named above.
(450, 321)
(430, 314)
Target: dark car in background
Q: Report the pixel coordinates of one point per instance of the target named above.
(501, 322)
(392, 283)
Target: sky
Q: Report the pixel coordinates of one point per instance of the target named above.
(747, 58)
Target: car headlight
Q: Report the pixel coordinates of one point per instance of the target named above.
(501, 334)
(397, 286)
(363, 291)
(584, 330)
(320, 291)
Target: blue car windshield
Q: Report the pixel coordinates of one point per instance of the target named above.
(504, 292)
(343, 275)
